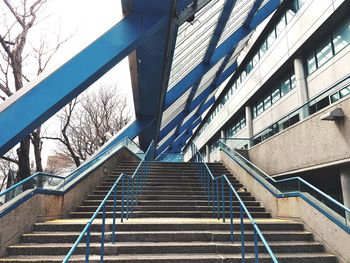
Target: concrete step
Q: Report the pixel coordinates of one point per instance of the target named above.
(167, 225)
(182, 258)
(164, 236)
(162, 203)
(164, 248)
(169, 197)
(169, 208)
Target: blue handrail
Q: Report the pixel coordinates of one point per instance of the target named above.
(64, 180)
(275, 187)
(211, 186)
(129, 198)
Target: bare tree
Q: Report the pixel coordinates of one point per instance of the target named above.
(19, 18)
(85, 122)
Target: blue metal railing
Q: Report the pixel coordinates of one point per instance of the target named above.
(294, 186)
(212, 187)
(58, 183)
(131, 188)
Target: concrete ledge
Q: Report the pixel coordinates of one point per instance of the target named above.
(334, 238)
(42, 207)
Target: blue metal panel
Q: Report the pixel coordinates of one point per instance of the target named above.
(50, 95)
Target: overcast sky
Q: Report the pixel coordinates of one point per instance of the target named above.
(84, 21)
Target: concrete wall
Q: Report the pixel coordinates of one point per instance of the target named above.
(334, 238)
(309, 143)
(43, 207)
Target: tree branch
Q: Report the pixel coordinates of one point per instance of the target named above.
(9, 159)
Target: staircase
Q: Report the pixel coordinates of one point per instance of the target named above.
(172, 223)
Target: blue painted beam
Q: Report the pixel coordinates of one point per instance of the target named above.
(228, 45)
(30, 110)
(225, 15)
(252, 12)
(198, 100)
(173, 123)
(172, 139)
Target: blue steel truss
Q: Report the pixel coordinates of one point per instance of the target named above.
(148, 35)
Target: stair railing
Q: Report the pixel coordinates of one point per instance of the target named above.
(131, 188)
(294, 187)
(217, 200)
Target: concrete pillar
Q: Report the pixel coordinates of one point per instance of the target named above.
(249, 124)
(301, 86)
(207, 152)
(345, 186)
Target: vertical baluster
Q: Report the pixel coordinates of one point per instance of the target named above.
(114, 214)
(213, 195)
(87, 250)
(223, 199)
(208, 185)
(132, 195)
(122, 204)
(217, 199)
(102, 252)
(127, 198)
(256, 247)
(242, 233)
(231, 215)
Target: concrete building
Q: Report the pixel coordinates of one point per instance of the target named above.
(242, 114)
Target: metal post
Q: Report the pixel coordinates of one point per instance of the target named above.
(231, 216)
(208, 185)
(122, 207)
(114, 215)
(256, 247)
(87, 250)
(137, 187)
(132, 195)
(213, 195)
(242, 233)
(103, 233)
(217, 198)
(127, 200)
(223, 199)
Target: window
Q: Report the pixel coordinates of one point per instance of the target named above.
(292, 10)
(275, 95)
(311, 64)
(263, 49)
(341, 37)
(271, 38)
(280, 26)
(249, 66)
(259, 108)
(344, 92)
(267, 102)
(335, 97)
(256, 59)
(293, 83)
(285, 87)
(324, 53)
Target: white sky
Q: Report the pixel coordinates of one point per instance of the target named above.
(84, 21)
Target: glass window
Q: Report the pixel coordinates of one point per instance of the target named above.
(344, 92)
(292, 10)
(271, 38)
(341, 37)
(324, 53)
(311, 64)
(260, 108)
(249, 66)
(301, 3)
(293, 83)
(256, 59)
(267, 102)
(285, 86)
(280, 26)
(263, 49)
(335, 97)
(243, 123)
(275, 95)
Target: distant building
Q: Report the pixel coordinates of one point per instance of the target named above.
(58, 163)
